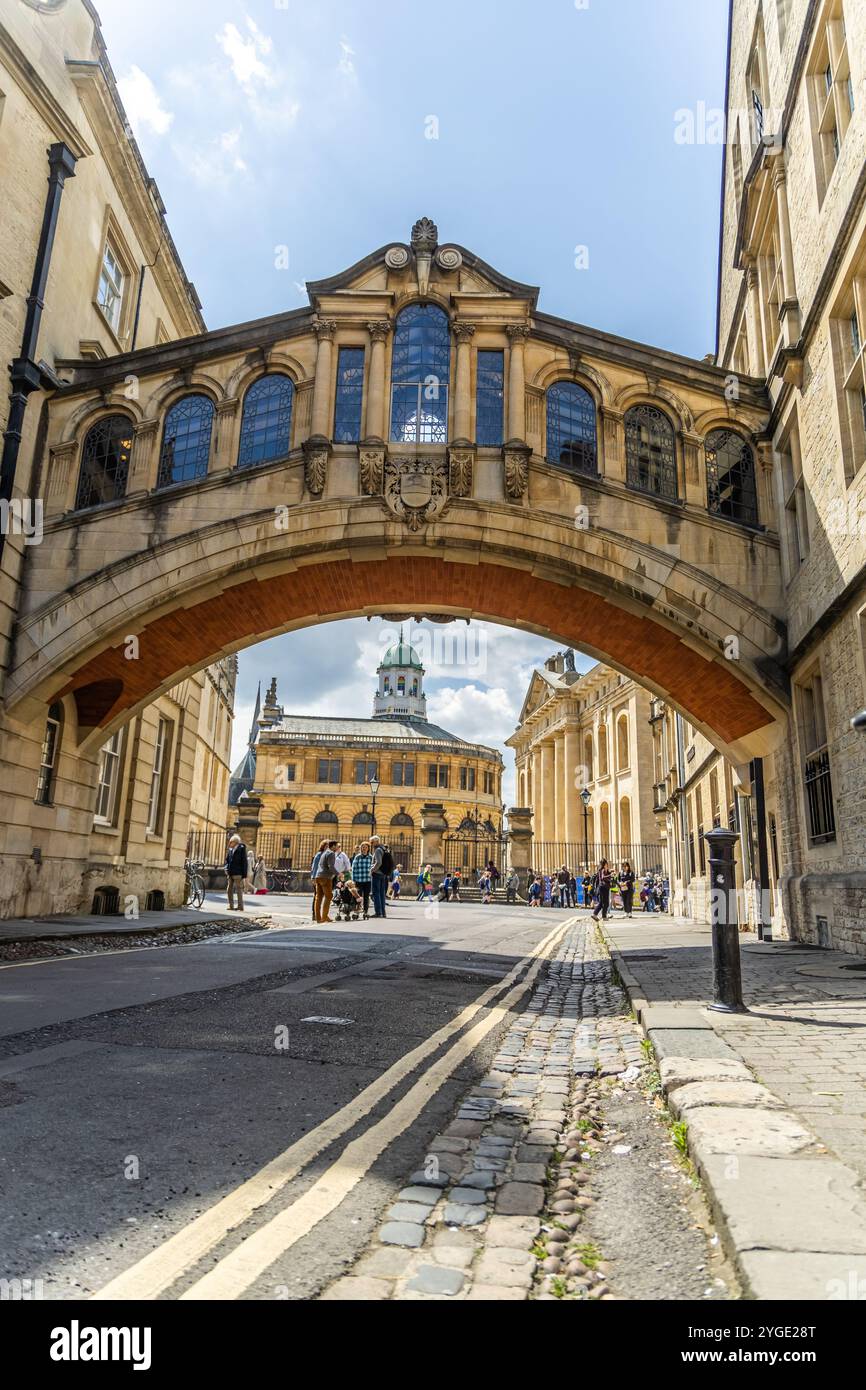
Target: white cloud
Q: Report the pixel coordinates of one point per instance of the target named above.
(246, 54)
(217, 162)
(346, 65)
(143, 103)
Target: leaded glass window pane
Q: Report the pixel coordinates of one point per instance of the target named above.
(651, 459)
(266, 428)
(105, 462)
(350, 393)
(420, 374)
(731, 487)
(489, 398)
(572, 440)
(186, 441)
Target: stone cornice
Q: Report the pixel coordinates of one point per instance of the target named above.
(98, 94)
(42, 98)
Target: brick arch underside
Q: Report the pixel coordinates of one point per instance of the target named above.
(108, 685)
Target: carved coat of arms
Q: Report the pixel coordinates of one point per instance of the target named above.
(416, 489)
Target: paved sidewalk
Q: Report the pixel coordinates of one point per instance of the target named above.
(496, 1210)
(67, 927)
(798, 1221)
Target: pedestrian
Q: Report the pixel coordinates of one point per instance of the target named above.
(647, 895)
(396, 882)
(586, 885)
(535, 893)
(626, 887)
(343, 862)
(362, 869)
(601, 887)
(326, 873)
(237, 868)
(512, 884)
(445, 889)
(456, 880)
(383, 868)
(563, 879)
(425, 884)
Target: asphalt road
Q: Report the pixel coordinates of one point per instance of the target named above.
(159, 1105)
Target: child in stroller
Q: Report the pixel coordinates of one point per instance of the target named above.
(349, 901)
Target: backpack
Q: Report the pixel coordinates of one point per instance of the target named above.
(387, 865)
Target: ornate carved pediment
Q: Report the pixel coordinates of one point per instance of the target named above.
(416, 489)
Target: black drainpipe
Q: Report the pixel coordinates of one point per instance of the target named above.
(25, 372)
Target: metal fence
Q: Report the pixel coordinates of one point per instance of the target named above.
(296, 851)
(470, 855)
(645, 858)
(208, 846)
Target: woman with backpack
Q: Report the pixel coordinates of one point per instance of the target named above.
(383, 868)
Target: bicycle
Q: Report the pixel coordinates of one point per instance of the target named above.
(194, 889)
(280, 880)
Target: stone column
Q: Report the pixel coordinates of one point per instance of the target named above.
(548, 803)
(62, 481)
(224, 454)
(535, 798)
(325, 330)
(569, 788)
(520, 843)
(464, 333)
(558, 801)
(694, 479)
(517, 335)
(375, 421)
(433, 827)
(790, 307)
(144, 470)
(612, 461)
(754, 331)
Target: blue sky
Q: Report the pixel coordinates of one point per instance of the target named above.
(305, 125)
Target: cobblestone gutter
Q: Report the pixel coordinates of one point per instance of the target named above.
(496, 1212)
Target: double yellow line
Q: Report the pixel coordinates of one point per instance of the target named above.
(238, 1270)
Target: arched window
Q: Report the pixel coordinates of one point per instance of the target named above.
(731, 488)
(589, 759)
(572, 440)
(186, 441)
(651, 456)
(605, 829)
(623, 757)
(387, 687)
(401, 820)
(363, 818)
(420, 374)
(326, 817)
(415, 688)
(624, 824)
(401, 685)
(266, 426)
(603, 763)
(105, 462)
(50, 756)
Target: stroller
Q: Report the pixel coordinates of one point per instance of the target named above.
(349, 902)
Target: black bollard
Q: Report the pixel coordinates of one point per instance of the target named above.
(727, 975)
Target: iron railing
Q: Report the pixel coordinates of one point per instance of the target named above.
(645, 857)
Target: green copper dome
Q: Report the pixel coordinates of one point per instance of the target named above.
(401, 655)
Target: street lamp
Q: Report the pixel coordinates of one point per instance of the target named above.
(374, 788)
(586, 798)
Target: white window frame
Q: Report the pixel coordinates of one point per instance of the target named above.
(110, 759)
(157, 777)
